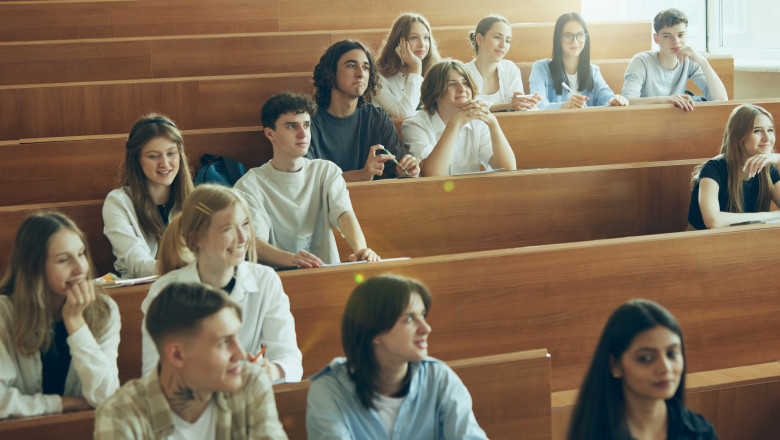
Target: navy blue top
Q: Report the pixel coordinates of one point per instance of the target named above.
(56, 361)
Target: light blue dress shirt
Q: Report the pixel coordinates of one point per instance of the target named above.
(541, 82)
(438, 406)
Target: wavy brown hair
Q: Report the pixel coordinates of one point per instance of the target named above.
(133, 178)
(435, 83)
(388, 62)
(25, 284)
(324, 77)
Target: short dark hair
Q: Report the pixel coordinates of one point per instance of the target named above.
(668, 18)
(600, 409)
(181, 307)
(285, 102)
(325, 71)
(373, 308)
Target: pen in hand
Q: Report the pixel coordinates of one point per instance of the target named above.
(255, 358)
(386, 151)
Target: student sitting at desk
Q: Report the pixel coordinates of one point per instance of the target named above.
(498, 79)
(408, 51)
(738, 184)
(59, 335)
(661, 77)
(294, 201)
(635, 385)
(387, 387)
(453, 133)
(211, 243)
(571, 65)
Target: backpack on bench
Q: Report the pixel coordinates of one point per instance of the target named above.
(222, 170)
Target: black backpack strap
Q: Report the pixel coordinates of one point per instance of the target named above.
(207, 159)
(233, 168)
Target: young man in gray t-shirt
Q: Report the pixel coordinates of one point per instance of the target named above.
(660, 77)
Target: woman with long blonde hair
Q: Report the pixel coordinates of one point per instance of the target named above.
(407, 53)
(155, 179)
(210, 242)
(738, 184)
(59, 335)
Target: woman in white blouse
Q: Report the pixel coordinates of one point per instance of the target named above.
(154, 181)
(58, 336)
(498, 80)
(210, 243)
(408, 51)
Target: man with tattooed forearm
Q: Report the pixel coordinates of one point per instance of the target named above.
(203, 387)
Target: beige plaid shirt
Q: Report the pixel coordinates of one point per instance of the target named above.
(139, 410)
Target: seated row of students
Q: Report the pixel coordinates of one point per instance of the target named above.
(294, 201)
(205, 385)
(567, 80)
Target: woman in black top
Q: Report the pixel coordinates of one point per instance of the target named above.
(738, 184)
(635, 386)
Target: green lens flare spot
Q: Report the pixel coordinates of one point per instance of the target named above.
(449, 186)
(359, 278)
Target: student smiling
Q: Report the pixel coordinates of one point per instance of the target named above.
(498, 80)
(387, 386)
(454, 133)
(210, 243)
(155, 179)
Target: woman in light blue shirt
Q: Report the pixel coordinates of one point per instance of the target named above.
(571, 65)
(387, 386)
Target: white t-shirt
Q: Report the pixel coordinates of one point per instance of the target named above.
(387, 411)
(295, 211)
(573, 81)
(399, 95)
(205, 428)
(510, 81)
(472, 148)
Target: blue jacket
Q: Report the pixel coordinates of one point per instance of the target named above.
(438, 406)
(541, 82)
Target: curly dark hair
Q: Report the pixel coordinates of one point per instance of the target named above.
(325, 71)
(285, 102)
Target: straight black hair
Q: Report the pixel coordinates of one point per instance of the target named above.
(599, 413)
(584, 78)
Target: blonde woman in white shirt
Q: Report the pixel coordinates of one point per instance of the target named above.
(154, 179)
(498, 80)
(58, 336)
(407, 53)
(211, 243)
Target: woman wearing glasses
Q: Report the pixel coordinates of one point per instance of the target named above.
(571, 65)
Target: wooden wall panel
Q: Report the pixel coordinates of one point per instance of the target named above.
(54, 21)
(299, 16)
(72, 62)
(108, 108)
(616, 135)
(56, 171)
(192, 17)
(237, 55)
(559, 296)
(237, 102)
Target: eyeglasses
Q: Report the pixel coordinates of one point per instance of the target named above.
(569, 38)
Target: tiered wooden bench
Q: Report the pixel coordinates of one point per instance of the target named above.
(53, 20)
(61, 61)
(53, 169)
(558, 296)
(435, 216)
(494, 382)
